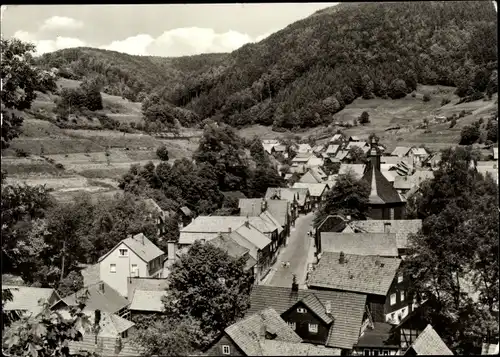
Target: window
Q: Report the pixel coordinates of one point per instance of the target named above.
(366, 352)
(226, 350)
(385, 352)
(392, 213)
(123, 252)
(135, 270)
(393, 299)
(374, 352)
(125, 334)
(313, 328)
(393, 316)
(292, 325)
(402, 295)
(400, 278)
(112, 268)
(301, 310)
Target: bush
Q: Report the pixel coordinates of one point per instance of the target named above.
(21, 153)
(453, 123)
(445, 101)
(162, 153)
(469, 135)
(59, 166)
(364, 118)
(426, 97)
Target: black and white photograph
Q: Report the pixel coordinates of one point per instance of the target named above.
(250, 179)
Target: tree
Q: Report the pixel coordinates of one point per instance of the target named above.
(72, 283)
(162, 153)
(364, 118)
(349, 196)
(208, 285)
(356, 155)
(397, 89)
(20, 78)
(469, 135)
(492, 130)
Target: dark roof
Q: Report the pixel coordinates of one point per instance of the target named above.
(233, 249)
(401, 227)
(379, 336)
(312, 302)
(332, 223)
(246, 333)
(360, 243)
(347, 309)
(429, 343)
(108, 301)
(359, 273)
(279, 209)
(381, 190)
(141, 246)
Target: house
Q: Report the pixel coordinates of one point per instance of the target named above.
(403, 184)
(303, 199)
(145, 295)
(356, 169)
(419, 155)
(318, 149)
(428, 343)
(381, 244)
(389, 172)
(277, 193)
(278, 149)
(244, 337)
(332, 223)
(337, 138)
(317, 192)
(27, 300)
(332, 150)
(100, 296)
(158, 214)
(133, 256)
(401, 227)
(384, 201)
(433, 161)
(268, 145)
(377, 277)
(304, 148)
(278, 209)
(302, 158)
(402, 151)
(341, 155)
(313, 175)
(354, 138)
(321, 317)
(376, 339)
(204, 228)
(235, 250)
(186, 216)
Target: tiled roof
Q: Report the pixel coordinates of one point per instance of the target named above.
(141, 246)
(315, 305)
(279, 209)
(315, 189)
(401, 151)
(381, 190)
(148, 284)
(282, 348)
(360, 243)
(332, 149)
(246, 333)
(402, 228)
(147, 300)
(254, 236)
(250, 206)
(357, 169)
(29, 299)
(429, 343)
(108, 301)
(231, 247)
(359, 273)
(347, 309)
(379, 336)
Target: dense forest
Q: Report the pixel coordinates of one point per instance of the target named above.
(302, 75)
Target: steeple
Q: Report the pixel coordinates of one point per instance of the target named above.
(374, 154)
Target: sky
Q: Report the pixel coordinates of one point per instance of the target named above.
(161, 30)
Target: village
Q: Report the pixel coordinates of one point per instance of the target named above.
(331, 288)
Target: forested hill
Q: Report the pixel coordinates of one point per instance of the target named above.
(303, 74)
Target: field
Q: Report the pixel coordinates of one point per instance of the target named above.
(72, 161)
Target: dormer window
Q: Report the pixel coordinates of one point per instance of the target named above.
(123, 252)
(301, 310)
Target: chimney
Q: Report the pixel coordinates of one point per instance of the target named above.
(342, 258)
(295, 286)
(171, 250)
(328, 307)
(377, 261)
(142, 239)
(263, 205)
(247, 223)
(101, 288)
(348, 217)
(229, 229)
(374, 154)
(387, 227)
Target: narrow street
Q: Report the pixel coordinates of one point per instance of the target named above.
(297, 252)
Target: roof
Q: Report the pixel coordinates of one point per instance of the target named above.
(402, 228)
(152, 205)
(147, 284)
(357, 144)
(233, 249)
(207, 227)
(268, 146)
(357, 169)
(341, 155)
(279, 148)
(246, 333)
(359, 273)
(108, 301)
(489, 349)
(408, 182)
(318, 148)
(254, 236)
(268, 217)
(283, 348)
(429, 343)
(315, 189)
(495, 153)
(360, 243)
(250, 206)
(141, 246)
(347, 309)
(379, 336)
(381, 190)
(420, 152)
(401, 151)
(301, 194)
(304, 147)
(27, 298)
(147, 300)
(354, 138)
(282, 193)
(279, 209)
(336, 137)
(91, 274)
(186, 211)
(332, 149)
(111, 325)
(394, 160)
(310, 177)
(302, 157)
(492, 170)
(313, 303)
(233, 194)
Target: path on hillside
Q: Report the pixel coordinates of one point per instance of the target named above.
(297, 252)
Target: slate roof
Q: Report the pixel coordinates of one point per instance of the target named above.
(147, 300)
(140, 245)
(26, 298)
(429, 343)
(347, 309)
(246, 333)
(108, 301)
(282, 348)
(312, 302)
(360, 273)
(402, 228)
(315, 189)
(381, 190)
(279, 209)
(274, 224)
(250, 206)
(332, 149)
(401, 151)
(357, 169)
(379, 336)
(360, 243)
